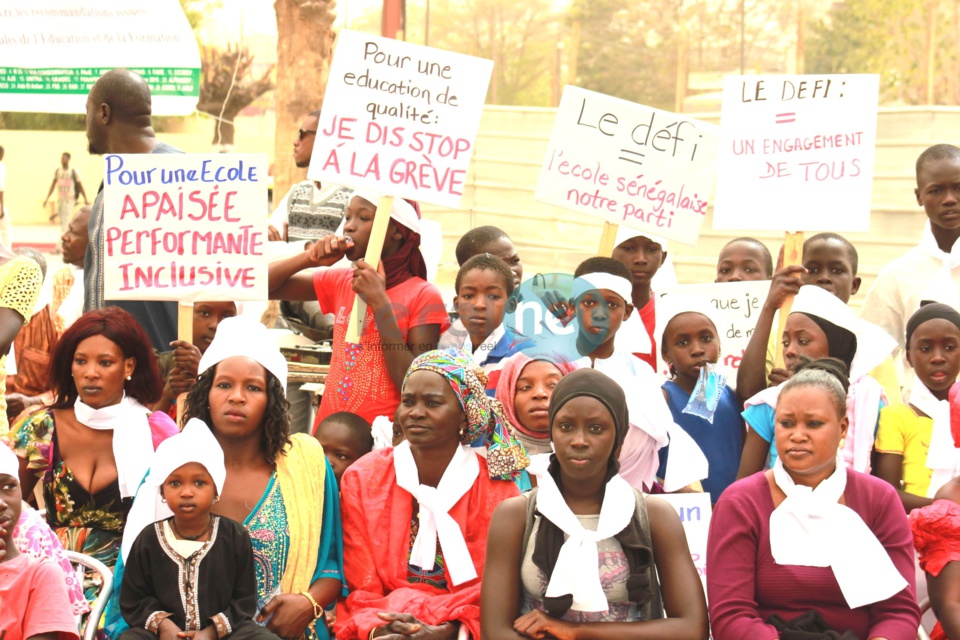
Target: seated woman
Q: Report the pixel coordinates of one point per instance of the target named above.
(415, 517)
(20, 283)
(279, 486)
(810, 537)
(524, 390)
(93, 446)
(34, 598)
(936, 536)
(820, 325)
(584, 550)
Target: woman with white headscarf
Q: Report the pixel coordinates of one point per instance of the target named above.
(810, 544)
(279, 486)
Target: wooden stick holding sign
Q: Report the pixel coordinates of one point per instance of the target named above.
(373, 256)
(792, 255)
(608, 239)
(184, 333)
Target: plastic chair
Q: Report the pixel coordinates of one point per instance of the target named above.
(106, 588)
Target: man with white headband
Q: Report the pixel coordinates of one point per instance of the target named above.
(602, 290)
(405, 313)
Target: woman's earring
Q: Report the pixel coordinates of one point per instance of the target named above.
(843, 442)
(163, 500)
(129, 377)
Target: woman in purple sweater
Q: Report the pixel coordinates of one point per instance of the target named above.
(809, 536)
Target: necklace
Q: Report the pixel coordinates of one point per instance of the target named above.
(173, 523)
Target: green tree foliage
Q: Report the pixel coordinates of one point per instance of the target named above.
(890, 37)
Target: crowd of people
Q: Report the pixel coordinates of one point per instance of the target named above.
(459, 480)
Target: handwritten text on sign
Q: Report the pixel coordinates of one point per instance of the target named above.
(694, 510)
(796, 152)
(736, 307)
(185, 227)
(629, 164)
(400, 118)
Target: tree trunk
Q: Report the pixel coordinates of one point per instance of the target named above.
(304, 50)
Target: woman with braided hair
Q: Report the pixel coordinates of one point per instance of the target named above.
(415, 517)
(584, 554)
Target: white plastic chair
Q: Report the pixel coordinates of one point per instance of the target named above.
(83, 562)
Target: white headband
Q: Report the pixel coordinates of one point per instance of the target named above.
(601, 280)
(402, 211)
(819, 302)
(9, 463)
(242, 336)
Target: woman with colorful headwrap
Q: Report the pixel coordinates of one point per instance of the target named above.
(405, 313)
(584, 552)
(820, 325)
(416, 516)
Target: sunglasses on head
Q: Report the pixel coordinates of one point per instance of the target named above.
(303, 133)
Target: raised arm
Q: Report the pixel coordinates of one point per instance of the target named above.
(752, 374)
(285, 280)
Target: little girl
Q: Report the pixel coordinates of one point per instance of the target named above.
(689, 341)
(190, 575)
(915, 450)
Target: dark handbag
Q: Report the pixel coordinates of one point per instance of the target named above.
(808, 626)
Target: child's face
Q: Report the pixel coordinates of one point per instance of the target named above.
(503, 248)
(189, 491)
(480, 301)
(600, 313)
(802, 337)
(358, 223)
(642, 256)
(689, 342)
(10, 504)
(741, 262)
(206, 317)
(829, 267)
(531, 402)
(934, 354)
(339, 445)
(938, 192)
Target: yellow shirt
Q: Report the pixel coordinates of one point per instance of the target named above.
(904, 433)
(20, 282)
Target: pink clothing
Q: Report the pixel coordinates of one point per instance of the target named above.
(34, 600)
(358, 381)
(33, 537)
(648, 314)
(162, 427)
(745, 586)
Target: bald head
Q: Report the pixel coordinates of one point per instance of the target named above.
(118, 111)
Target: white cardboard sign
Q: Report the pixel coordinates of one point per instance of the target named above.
(185, 227)
(695, 511)
(796, 152)
(630, 164)
(400, 118)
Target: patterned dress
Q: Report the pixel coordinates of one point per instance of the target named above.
(20, 283)
(90, 524)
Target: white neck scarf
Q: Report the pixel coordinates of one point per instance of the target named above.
(132, 441)
(804, 532)
(483, 350)
(435, 505)
(576, 571)
(943, 458)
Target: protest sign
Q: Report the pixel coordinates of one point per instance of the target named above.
(629, 164)
(796, 152)
(52, 51)
(185, 227)
(399, 118)
(694, 510)
(736, 305)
